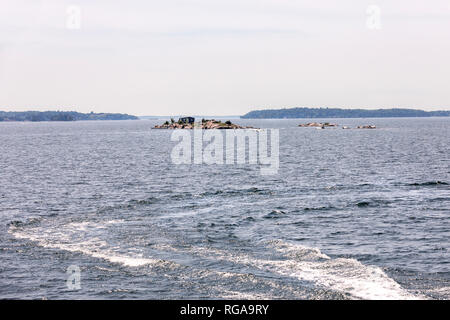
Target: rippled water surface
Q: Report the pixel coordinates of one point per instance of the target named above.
(351, 214)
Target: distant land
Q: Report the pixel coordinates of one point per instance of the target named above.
(293, 113)
(61, 116)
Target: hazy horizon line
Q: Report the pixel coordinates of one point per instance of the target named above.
(58, 109)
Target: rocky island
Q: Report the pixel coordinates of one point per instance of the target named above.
(366, 127)
(323, 125)
(189, 123)
(318, 124)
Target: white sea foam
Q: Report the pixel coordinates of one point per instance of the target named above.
(444, 292)
(74, 237)
(347, 276)
(232, 295)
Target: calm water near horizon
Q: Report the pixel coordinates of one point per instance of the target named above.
(351, 214)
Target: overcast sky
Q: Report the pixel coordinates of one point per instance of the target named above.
(223, 57)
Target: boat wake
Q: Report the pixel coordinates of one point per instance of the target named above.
(307, 266)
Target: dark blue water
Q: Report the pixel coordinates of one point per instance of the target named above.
(351, 214)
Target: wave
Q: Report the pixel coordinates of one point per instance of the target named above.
(428, 183)
(373, 203)
(438, 199)
(321, 208)
(274, 214)
(234, 192)
(164, 198)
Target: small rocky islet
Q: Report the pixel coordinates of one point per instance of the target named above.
(323, 125)
(318, 124)
(189, 123)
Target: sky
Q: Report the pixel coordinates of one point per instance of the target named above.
(223, 57)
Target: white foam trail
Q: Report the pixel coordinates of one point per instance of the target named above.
(65, 238)
(443, 292)
(236, 295)
(347, 276)
(343, 275)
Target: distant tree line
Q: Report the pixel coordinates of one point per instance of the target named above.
(61, 116)
(340, 113)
